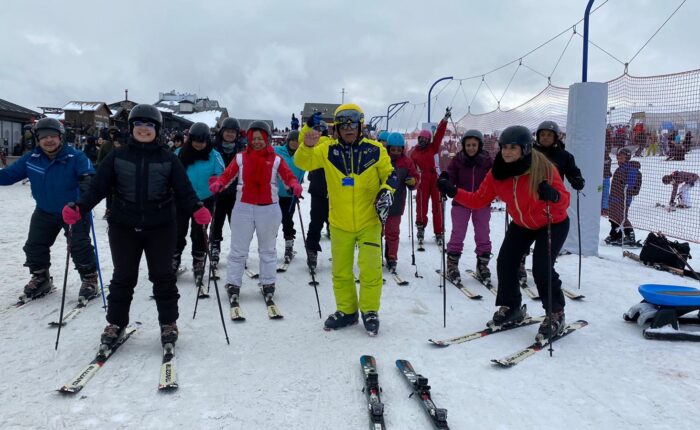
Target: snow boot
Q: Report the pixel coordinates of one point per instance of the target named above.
(629, 239)
(482, 266)
(215, 252)
(420, 234)
(371, 321)
(506, 316)
(268, 290)
(339, 320)
(88, 289)
(558, 324)
(168, 333)
(453, 267)
(39, 285)
(288, 250)
(439, 239)
(198, 268)
(111, 335)
(311, 259)
(391, 266)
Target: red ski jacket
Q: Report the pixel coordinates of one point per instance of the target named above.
(424, 158)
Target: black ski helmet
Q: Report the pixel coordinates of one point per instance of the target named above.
(261, 126)
(147, 113)
(517, 135)
(551, 126)
(48, 125)
(199, 131)
(230, 124)
(293, 135)
(475, 134)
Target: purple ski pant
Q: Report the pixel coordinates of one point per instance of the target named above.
(460, 223)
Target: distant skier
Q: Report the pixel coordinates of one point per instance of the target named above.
(257, 210)
(423, 155)
(147, 180)
(57, 174)
(528, 183)
(626, 183)
(467, 171)
(406, 178)
(686, 181)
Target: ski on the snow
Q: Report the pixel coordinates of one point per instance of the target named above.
(519, 356)
(236, 312)
(398, 279)
(272, 311)
(282, 267)
(466, 291)
(168, 371)
(568, 293)
(421, 389)
(82, 304)
(103, 354)
(485, 332)
(373, 392)
(251, 274)
(486, 283)
(23, 300)
(529, 291)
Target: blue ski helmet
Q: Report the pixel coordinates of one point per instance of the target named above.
(395, 139)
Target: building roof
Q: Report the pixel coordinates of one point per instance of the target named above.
(327, 110)
(12, 109)
(85, 106)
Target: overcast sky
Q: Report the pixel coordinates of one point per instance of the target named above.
(264, 59)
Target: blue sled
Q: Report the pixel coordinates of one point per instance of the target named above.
(670, 295)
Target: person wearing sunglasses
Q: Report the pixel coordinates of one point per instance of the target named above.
(361, 182)
(57, 173)
(147, 181)
(424, 155)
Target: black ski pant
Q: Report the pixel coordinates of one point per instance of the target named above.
(287, 205)
(319, 217)
(516, 242)
(43, 230)
(127, 245)
(197, 232)
(224, 207)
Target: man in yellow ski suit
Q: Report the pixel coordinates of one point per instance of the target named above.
(360, 181)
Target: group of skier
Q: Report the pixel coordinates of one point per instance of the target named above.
(358, 185)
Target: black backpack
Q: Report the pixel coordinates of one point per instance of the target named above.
(659, 250)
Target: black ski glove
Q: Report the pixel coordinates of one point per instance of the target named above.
(547, 193)
(577, 183)
(448, 113)
(383, 203)
(445, 186)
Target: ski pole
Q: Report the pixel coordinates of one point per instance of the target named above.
(211, 232)
(410, 223)
(97, 262)
(443, 198)
(549, 276)
(578, 226)
(69, 237)
(313, 276)
(216, 284)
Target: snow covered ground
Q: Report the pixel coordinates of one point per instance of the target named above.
(291, 374)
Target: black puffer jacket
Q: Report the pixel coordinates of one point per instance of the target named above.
(147, 181)
(563, 159)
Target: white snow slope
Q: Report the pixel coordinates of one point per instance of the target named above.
(291, 374)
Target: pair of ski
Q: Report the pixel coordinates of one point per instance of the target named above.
(236, 313)
(520, 355)
(466, 291)
(533, 294)
(418, 383)
(71, 314)
(168, 372)
(23, 299)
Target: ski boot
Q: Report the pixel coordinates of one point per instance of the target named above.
(453, 267)
(439, 240)
(391, 266)
(506, 316)
(40, 284)
(311, 259)
(629, 240)
(371, 321)
(288, 250)
(215, 255)
(111, 335)
(233, 292)
(522, 272)
(88, 289)
(614, 241)
(420, 234)
(558, 324)
(482, 266)
(198, 268)
(168, 333)
(339, 320)
(268, 290)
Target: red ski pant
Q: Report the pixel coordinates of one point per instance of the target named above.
(428, 190)
(392, 228)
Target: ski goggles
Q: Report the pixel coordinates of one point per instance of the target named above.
(144, 124)
(349, 119)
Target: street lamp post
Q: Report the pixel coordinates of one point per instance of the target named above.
(431, 90)
(392, 110)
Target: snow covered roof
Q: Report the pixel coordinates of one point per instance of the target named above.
(84, 106)
(165, 109)
(59, 116)
(209, 117)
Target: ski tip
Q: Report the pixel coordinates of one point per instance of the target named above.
(438, 343)
(167, 388)
(313, 284)
(68, 390)
(501, 363)
(476, 297)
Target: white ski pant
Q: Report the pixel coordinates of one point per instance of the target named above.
(685, 196)
(247, 219)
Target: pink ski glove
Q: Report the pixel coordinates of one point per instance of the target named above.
(215, 187)
(297, 190)
(70, 213)
(202, 216)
